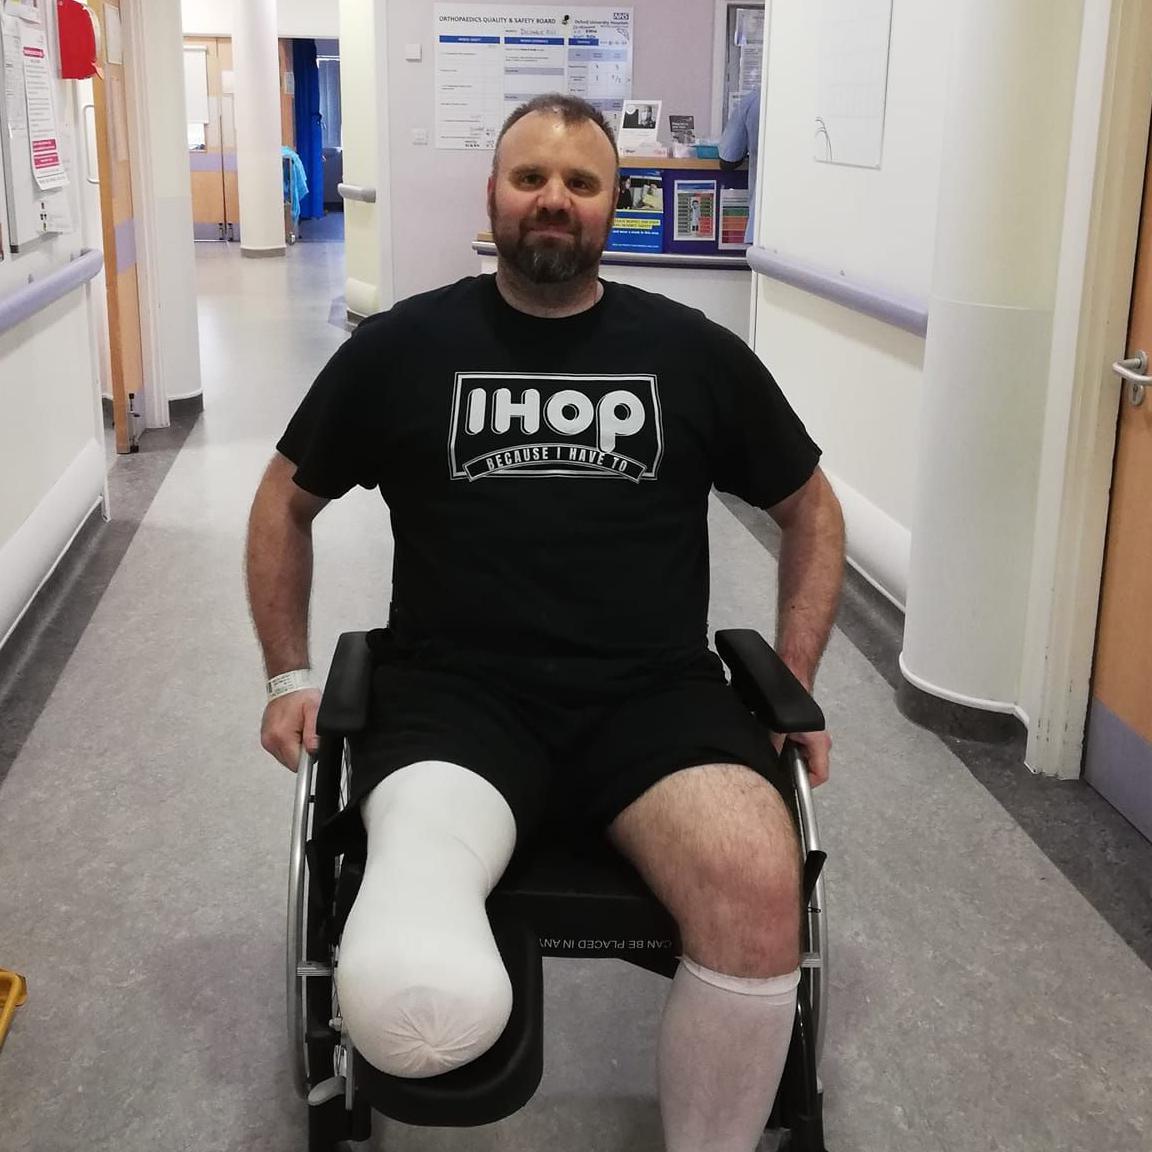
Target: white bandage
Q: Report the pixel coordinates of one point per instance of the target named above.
(287, 682)
(421, 983)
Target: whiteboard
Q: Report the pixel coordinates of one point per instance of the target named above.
(855, 36)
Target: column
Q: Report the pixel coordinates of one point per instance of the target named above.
(169, 323)
(1004, 171)
(258, 160)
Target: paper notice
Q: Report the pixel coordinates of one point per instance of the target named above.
(42, 133)
(13, 74)
(56, 212)
(114, 39)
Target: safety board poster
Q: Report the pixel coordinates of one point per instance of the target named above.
(492, 58)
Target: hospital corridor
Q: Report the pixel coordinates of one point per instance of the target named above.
(560, 329)
(990, 945)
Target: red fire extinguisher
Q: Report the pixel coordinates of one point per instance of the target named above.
(78, 28)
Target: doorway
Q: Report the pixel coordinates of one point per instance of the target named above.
(1118, 748)
(209, 95)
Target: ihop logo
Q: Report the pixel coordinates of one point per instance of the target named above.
(588, 427)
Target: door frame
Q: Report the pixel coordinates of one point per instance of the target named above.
(1097, 264)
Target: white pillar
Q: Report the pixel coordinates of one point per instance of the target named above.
(169, 324)
(364, 82)
(1004, 170)
(256, 62)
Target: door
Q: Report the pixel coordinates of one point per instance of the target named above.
(1118, 751)
(211, 138)
(118, 226)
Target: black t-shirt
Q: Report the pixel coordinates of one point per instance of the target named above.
(548, 479)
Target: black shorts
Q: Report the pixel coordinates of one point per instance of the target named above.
(557, 750)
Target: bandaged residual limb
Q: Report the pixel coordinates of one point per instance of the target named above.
(13, 993)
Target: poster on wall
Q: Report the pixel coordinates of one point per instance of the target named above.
(490, 58)
(854, 41)
(695, 210)
(638, 225)
(733, 218)
(43, 136)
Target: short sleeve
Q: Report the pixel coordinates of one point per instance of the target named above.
(734, 140)
(763, 452)
(329, 438)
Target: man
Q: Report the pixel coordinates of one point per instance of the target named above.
(741, 138)
(547, 647)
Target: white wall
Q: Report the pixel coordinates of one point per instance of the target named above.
(302, 18)
(51, 447)
(854, 381)
(438, 197)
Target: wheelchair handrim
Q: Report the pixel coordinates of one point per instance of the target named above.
(296, 1046)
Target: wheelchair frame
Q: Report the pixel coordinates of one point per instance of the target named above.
(324, 1062)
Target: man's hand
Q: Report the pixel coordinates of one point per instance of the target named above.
(815, 748)
(288, 721)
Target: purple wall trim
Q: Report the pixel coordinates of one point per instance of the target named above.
(211, 161)
(125, 246)
(1118, 764)
(900, 311)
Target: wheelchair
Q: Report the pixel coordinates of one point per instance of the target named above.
(559, 898)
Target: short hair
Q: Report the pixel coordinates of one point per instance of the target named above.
(570, 109)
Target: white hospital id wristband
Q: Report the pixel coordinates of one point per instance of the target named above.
(287, 682)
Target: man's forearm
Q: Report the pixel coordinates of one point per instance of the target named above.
(279, 569)
(811, 571)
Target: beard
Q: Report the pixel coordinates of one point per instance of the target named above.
(542, 258)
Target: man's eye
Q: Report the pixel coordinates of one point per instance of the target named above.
(530, 179)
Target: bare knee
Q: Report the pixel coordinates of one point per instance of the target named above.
(744, 919)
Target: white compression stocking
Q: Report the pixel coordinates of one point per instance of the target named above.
(421, 984)
(723, 1043)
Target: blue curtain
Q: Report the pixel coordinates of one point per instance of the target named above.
(309, 133)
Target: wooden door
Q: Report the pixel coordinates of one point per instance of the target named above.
(228, 137)
(118, 225)
(1118, 752)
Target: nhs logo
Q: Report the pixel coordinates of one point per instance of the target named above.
(524, 425)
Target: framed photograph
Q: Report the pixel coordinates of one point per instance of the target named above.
(639, 123)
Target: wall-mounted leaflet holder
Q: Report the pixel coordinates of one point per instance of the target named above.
(31, 150)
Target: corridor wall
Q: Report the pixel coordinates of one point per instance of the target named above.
(855, 381)
(306, 18)
(51, 439)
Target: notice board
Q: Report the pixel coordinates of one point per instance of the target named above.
(490, 58)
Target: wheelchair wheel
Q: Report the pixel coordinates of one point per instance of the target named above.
(797, 1121)
(320, 1060)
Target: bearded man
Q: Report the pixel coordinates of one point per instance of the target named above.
(546, 442)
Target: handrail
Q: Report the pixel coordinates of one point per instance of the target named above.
(38, 294)
(356, 192)
(905, 312)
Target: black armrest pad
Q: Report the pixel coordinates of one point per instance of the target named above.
(765, 683)
(347, 692)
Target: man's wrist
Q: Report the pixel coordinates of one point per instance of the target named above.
(286, 682)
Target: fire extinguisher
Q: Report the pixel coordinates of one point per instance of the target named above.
(78, 39)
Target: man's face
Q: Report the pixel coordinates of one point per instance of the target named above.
(552, 197)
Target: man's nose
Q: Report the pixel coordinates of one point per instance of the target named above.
(554, 195)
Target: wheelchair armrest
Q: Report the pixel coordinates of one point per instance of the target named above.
(765, 683)
(347, 691)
